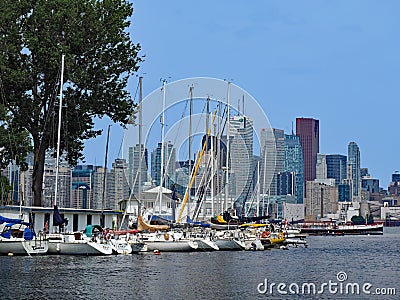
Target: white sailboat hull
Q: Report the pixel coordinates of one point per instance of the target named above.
(206, 245)
(172, 246)
(229, 245)
(23, 247)
(121, 246)
(81, 247)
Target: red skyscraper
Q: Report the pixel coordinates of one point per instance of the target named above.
(308, 131)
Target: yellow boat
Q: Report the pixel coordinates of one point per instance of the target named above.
(277, 237)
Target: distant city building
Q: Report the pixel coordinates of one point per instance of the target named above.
(308, 131)
(241, 157)
(133, 167)
(364, 172)
(354, 167)
(321, 168)
(117, 184)
(169, 162)
(370, 184)
(64, 182)
(396, 176)
(293, 160)
(99, 193)
(320, 201)
(82, 183)
(344, 194)
(286, 183)
(272, 158)
(336, 165)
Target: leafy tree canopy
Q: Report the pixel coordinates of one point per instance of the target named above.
(99, 57)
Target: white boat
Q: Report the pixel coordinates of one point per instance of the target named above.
(203, 241)
(229, 241)
(78, 243)
(166, 242)
(19, 239)
(118, 240)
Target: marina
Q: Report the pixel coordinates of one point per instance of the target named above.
(227, 275)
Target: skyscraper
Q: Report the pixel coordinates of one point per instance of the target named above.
(272, 159)
(293, 161)
(133, 167)
(321, 167)
(336, 167)
(354, 167)
(308, 131)
(169, 162)
(117, 184)
(241, 156)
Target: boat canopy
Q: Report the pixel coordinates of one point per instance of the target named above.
(12, 221)
(90, 229)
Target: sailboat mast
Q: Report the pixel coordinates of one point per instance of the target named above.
(162, 145)
(103, 198)
(140, 143)
(190, 145)
(59, 130)
(227, 148)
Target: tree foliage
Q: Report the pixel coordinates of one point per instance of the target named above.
(99, 57)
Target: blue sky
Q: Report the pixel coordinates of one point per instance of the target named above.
(336, 61)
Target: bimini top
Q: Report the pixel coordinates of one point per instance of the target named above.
(90, 229)
(12, 221)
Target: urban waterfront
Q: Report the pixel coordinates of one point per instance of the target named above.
(208, 275)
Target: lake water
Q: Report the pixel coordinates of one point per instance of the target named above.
(338, 261)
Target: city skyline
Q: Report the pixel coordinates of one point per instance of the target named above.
(338, 65)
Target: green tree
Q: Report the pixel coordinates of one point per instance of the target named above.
(99, 57)
(4, 190)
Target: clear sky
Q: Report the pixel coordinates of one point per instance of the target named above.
(336, 61)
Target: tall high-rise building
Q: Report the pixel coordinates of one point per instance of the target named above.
(272, 143)
(133, 167)
(321, 200)
(241, 157)
(286, 183)
(321, 168)
(308, 131)
(293, 152)
(370, 184)
(336, 167)
(169, 162)
(82, 183)
(117, 184)
(354, 167)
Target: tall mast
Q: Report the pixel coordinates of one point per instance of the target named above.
(59, 129)
(140, 143)
(103, 198)
(190, 145)
(162, 144)
(213, 170)
(227, 148)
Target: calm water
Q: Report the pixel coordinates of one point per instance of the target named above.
(213, 275)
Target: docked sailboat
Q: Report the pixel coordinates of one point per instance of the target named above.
(229, 240)
(18, 238)
(90, 242)
(160, 237)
